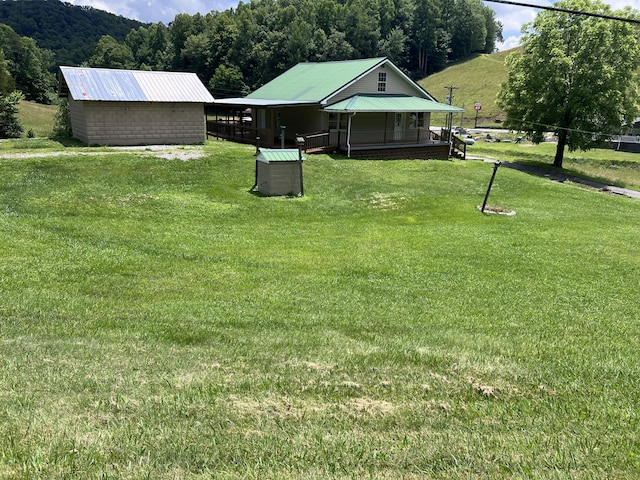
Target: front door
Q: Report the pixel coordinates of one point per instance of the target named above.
(398, 126)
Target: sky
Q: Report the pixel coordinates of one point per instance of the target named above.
(512, 17)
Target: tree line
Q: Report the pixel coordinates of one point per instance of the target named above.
(238, 50)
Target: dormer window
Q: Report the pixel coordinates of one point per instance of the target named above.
(382, 81)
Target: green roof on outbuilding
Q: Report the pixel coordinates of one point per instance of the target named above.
(313, 82)
(268, 155)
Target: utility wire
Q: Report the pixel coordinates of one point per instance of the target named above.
(551, 128)
(566, 10)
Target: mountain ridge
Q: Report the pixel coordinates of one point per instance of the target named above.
(70, 31)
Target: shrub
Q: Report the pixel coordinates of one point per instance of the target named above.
(62, 125)
(10, 127)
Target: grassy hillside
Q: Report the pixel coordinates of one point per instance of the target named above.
(37, 118)
(478, 80)
(159, 321)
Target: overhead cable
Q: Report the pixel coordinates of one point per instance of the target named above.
(567, 10)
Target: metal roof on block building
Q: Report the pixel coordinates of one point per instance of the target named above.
(108, 85)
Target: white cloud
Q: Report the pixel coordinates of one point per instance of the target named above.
(510, 42)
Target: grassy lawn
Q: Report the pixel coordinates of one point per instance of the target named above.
(605, 165)
(159, 321)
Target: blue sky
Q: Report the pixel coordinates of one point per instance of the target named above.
(512, 17)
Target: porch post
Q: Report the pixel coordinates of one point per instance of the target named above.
(386, 119)
(349, 135)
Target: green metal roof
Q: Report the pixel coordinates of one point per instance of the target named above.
(268, 155)
(389, 103)
(313, 82)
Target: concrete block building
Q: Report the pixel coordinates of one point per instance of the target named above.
(133, 107)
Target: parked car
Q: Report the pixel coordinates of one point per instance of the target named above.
(462, 134)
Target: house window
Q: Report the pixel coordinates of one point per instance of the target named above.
(382, 81)
(334, 121)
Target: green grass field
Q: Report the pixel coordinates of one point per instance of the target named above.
(37, 118)
(603, 165)
(160, 321)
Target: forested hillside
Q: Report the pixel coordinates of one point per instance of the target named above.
(239, 49)
(69, 31)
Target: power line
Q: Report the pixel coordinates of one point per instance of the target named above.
(566, 10)
(551, 128)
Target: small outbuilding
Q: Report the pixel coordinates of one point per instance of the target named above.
(279, 172)
(134, 107)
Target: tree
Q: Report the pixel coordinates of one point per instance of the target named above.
(32, 75)
(62, 127)
(28, 65)
(7, 84)
(109, 53)
(9, 125)
(394, 46)
(575, 76)
(227, 82)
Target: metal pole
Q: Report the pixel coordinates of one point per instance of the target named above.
(493, 176)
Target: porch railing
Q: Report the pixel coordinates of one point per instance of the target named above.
(336, 139)
(241, 133)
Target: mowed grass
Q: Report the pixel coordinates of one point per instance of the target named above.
(603, 165)
(160, 321)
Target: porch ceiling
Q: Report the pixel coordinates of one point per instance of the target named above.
(389, 103)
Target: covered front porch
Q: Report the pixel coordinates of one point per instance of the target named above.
(362, 126)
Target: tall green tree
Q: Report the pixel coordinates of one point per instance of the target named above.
(394, 46)
(426, 21)
(110, 53)
(10, 127)
(575, 76)
(227, 82)
(32, 75)
(28, 65)
(7, 84)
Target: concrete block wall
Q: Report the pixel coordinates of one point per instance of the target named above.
(138, 123)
